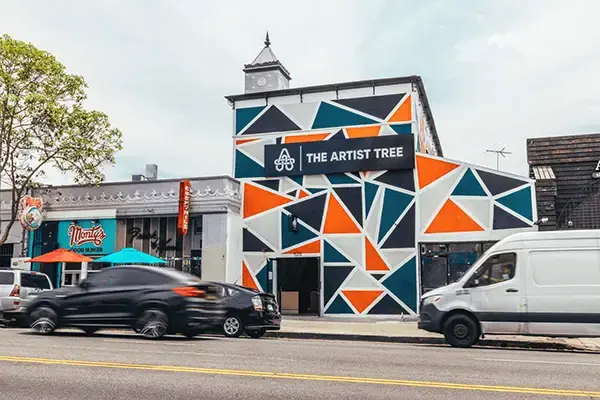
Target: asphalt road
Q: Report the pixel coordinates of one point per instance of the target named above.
(121, 366)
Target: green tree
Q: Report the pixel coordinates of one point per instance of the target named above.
(43, 124)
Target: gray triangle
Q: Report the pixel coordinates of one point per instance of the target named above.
(478, 208)
(267, 226)
(375, 216)
(255, 261)
(396, 258)
(350, 245)
(287, 185)
(361, 280)
(432, 197)
(302, 114)
(256, 149)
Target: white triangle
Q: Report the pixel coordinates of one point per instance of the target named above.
(255, 261)
(267, 227)
(302, 114)
(351, 246)
(478, 208)
(386, 130)
(433, 195)
(396, 258)
(315, 181)
(257, 149)
(375, 216)
(361, 280)
(287, 185)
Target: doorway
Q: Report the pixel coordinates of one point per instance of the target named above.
(298, 285)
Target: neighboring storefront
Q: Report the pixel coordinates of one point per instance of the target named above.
(349, 206)
(566, 170)
(145, 215)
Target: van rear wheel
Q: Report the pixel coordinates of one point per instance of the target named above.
(461, 330)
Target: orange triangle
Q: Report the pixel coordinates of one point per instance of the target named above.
(302, 194)
(242, 141)
(361, 299)
(366, 131)
(314, 137)
(313, 247)
(247, 279)
(431, 169)
(337, 219)
(257, 200)
(374, 260)
(452, 218)
(364, 174)
(403, 113)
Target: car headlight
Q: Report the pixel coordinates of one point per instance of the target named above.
(431, 299)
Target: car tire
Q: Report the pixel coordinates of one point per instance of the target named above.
(256, 333)
(461, 330)
(152, 324)
(43, 320)
(90, 330)
(232, 326)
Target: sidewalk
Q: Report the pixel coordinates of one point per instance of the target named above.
(375, 330)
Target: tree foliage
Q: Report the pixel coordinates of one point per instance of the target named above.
(44, 124)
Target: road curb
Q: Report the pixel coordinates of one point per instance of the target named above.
(515, 344)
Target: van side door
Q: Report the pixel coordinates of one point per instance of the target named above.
(563, 293)
(497, 294)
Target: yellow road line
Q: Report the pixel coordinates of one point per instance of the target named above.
(284, 375)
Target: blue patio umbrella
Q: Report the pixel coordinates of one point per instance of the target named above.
(130, 256)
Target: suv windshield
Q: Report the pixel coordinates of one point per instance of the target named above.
(35, 281)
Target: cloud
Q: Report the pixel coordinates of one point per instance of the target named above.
(496, 72)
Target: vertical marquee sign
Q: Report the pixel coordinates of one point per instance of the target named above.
(183, 220)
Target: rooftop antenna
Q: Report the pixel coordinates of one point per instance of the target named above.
(499, 153)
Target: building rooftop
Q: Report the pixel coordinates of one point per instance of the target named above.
(414, 79)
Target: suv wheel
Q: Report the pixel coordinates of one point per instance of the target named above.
(232, 326)
(44, 320)
(460, 330)
(152, 324)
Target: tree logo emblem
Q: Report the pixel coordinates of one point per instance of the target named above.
(284, 161)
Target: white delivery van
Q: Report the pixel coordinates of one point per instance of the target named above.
(534, 283)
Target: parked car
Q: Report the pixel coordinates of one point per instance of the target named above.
(248, 311)
(154, 301)
(17, 289)
(534, 283)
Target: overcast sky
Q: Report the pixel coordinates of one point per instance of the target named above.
(496, 72)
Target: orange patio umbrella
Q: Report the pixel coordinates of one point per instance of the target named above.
(61, 256)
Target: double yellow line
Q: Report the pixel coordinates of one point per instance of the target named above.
(307, 377)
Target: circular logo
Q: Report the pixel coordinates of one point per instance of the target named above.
(31, 218)
(261, 81)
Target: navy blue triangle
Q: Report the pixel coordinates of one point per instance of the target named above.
(272, 120)
(331, 255)
(352, 199)
(333, 279)
(290, 238)
(270, 183)
(251, 243)
(310, 211)
(370, 193)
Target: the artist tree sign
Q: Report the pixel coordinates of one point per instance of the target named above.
(43, 124)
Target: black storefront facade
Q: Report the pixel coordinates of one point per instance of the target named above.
(566, 170)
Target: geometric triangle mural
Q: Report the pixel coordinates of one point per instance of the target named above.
(519, 202)
(377, 106)
(504, 220)
(430, 170)
(451, 218)
(469, 185)
(330, 116)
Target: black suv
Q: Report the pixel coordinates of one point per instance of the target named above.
(154, 301)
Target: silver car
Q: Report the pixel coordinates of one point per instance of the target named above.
(17, 288)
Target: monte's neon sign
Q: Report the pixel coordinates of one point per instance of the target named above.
(79, 236)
